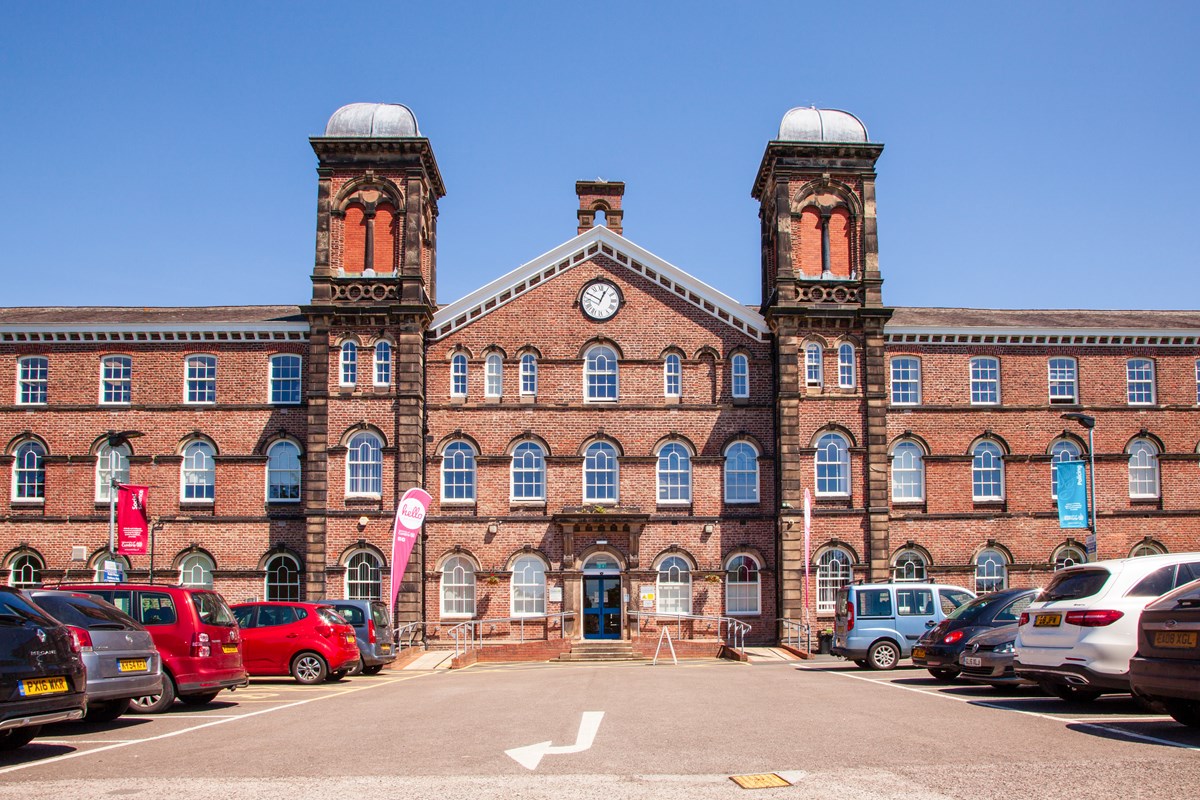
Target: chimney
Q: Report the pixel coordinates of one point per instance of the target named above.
(596, 196)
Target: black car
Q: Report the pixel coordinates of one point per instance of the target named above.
(41, 671)
(938, 648)
(1167, 665)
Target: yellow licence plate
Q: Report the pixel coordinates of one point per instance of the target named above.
(132, 665)
(1047, 620)
(1179, 639)
(229, 648)
(385, 648)
(918, 652)
(33, 686)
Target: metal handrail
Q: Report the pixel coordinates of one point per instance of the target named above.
(792, 632)
(735, 629)
(406, 635)
(468, 635)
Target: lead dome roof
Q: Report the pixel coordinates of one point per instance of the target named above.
(821, 125)
(373, 120)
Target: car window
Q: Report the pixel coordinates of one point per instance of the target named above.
(212, 609)
(15, 607)
(245, 616)
(843, 597)
(1186, 574)
(84, 613)
(1159, 582)
(968, 612)
(157, 608)
(875, 602)
(379, 615)
(953, 598)
(122, 599)
(1075, 584)
(914, 602)
(352, 614)
(1012, 612)
(329, 616)
(269, 616)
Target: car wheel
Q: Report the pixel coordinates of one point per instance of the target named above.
(309, 668)
(862, 662)
(13, 738)
(337, 675)
(883, 655)
(202, 699)
(357, 669)
(944, 675)
(106, 712)
(1185, 712)
(372, 670)
(155, 703)
(1072, 694)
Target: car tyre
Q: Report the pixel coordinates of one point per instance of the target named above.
(357, 669)
(372, 670)
(1185, 712)
(883, 655)
(107, 711)
(337, 675)
(155, 703)
(13, 738)
(309, 668)
(1068, 692)
(202, 699)
(944, 675)
(862, 662)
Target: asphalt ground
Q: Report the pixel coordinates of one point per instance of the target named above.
(620, 731)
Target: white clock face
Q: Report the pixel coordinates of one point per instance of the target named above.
(600, 300)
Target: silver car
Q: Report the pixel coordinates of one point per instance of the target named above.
(118, 652)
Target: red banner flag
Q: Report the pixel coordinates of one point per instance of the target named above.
(410, 515)
(133, 524)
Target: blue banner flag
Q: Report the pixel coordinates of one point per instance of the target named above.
(1072, 494)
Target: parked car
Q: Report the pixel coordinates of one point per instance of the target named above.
(195, 633)
(988, 658)
(118, 652)
(877, 624)
(41, 671)
(1076, 639)
(1167, 665)
(373, 629)
(937, 650)
(308, 641)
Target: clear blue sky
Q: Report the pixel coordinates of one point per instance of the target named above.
(1038, 154)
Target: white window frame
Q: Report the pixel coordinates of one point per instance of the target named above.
(674, 462)
(740, 599)
(980, 465)
(520, 465)
(104, 471)
(672, 375)
(116, 378)
(273, 470)
(905, 380)
(348, 364)
(383, 363)
(281, 382)
(597, 377)
(458, 375)
(832, 576)
(25, 570)
(1064, 556)
(527, 587)
(734, 466)
(460, 461)
(272, 586)
(493, 376)
(200, 379)
(814, 365)
(1145, 480)
(588, 457)
(910, 566)
(458, 573)
(189, 566)
(673, 595)
(990, 566)
(33, 378)
(985, 381)
(847, 366)
(908, 463)
(739, 375)
(837, 469)
(529, 375)
(1139, 382)
(357, 563)
(21, 468)
(198, 469)
(364, 476)
(1062, 373)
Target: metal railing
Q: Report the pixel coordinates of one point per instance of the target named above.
(795, 633)
(412, 634)
(729, 630)
(471, 634)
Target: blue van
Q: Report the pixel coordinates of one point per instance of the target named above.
(877, 624)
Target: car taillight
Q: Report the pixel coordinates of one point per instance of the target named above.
(1093, 619)
(1024, 618)
(371, 631)
(324, 630)
(201, 647)
(849, 616)
(80, 639)
(952, 637)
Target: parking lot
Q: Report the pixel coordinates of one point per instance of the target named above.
(620, 730)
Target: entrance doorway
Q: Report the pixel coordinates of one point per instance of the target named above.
(601, 607)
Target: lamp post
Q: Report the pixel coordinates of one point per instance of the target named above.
(1089, 423)
(114, 439)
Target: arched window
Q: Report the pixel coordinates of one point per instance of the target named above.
(1068, 555)
(33, 380)
(364, 576)
(383, 363)
(987, 472)
(528, 472)
(528, 587)
(600, 473)
(112, 466)
(200, 383)
(1062, 450)
(283, 473)
(25, 571)
(458, 375)
(833, 572)
(743, 589)
(814, 365)
(847, 369)
(739, 375)
(985, 381)
(348, 364)
(1143, 469)
(672, 376)
(908, 473)
(1146, 549)
(910, 565)
(674, 589)
(116, 380)
(285, 379)
(196, 569)
(364, 465)
(741, 473)
(600, 373)
(674, 474)
(458, 473)
(100, 562)
(991, 571)
(198, 476)
(833, 466)
(493, 371)
(283, 579)
(458, 587)
(29, 472)
(1139, 379)
(529, 374)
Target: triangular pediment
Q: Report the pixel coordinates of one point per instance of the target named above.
(593, 243)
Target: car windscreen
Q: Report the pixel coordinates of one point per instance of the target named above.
(84, 613)
(352, 614)
(1075, 584)
(212, 609)
(379, 615)
(977, 608)
(329, 616)
(14, 610)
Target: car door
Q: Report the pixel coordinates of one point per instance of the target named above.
(252, 649)
(278, 636)
(914, 613)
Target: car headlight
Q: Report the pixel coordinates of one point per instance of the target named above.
(1007, 647)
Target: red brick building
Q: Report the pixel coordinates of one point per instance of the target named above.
(604, 435)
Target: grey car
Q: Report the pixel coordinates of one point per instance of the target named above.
(118, 652)
(372, 628)
(988, 658)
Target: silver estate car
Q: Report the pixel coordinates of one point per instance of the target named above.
(118, 652)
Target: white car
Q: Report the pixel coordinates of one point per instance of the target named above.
(1076, 639)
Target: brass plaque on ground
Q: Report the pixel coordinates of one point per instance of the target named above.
(767, 780)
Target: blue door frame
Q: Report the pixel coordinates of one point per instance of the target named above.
(601, 607)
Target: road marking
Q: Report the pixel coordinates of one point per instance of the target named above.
(531, 755)
(1085, 722)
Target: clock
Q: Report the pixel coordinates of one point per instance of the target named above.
(600, 300)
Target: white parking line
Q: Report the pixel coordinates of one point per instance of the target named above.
(1087, 722)
(222, 721)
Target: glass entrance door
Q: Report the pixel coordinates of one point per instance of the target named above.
(602, 607)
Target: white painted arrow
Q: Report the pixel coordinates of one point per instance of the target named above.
(530, 756)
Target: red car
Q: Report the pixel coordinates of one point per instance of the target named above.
(308, 641)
